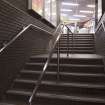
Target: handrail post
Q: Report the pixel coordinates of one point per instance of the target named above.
(72, 43)
(67, 42)
(58, 60)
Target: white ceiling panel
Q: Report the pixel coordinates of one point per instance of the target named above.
(76, 9)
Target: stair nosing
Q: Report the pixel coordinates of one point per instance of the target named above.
(73, 84)
(68, 65)
(76, 98)
(57, 96)
(65, 73)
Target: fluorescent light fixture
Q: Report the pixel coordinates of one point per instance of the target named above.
(83, 11)
(79, 16)
(70, 4)
(91, 6)
(53, 0)
(54, 14)
(66, 10)
(62, 14)
(48, 1)
(46, 9)
(74, 19)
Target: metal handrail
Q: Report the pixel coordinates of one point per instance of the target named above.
(69, 29)
(68, 39)
(57, 35)
(20, 33)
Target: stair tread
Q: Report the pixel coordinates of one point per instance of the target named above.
(75, 98)
(76, 44)
(6, 104)
(89, 36)
(63, 35)
(59, 96)
(76, 47)
(68, 65)
(72, 56)
(83, 85)
(81, 39)
(19, 92)
(77, 37)
(64, 73)
(81, 34)
(74, 50)
(78, 50)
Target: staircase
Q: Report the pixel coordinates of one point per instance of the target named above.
(82, 78)
(78, 43)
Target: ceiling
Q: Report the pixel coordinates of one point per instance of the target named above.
(76, 9)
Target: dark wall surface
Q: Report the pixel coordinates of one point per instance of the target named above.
(100, 41)
(100, 37)
(21, 4)
(96, 10)
(13, 20)
(16, 54)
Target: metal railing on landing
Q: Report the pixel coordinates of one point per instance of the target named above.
(55, 41)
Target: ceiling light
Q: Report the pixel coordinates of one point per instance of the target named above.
(91, 6)
(70, 4)
(83, 11)
(62, 14)
(74, 19)
(46, 9)
(54, 14)
(53, 0)
(48, 1)
(66, 10)
(79, 16)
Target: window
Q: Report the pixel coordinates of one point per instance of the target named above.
(37, 6)
(45, 8)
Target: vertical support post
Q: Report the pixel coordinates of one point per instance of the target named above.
(72, 43)
(58, 60)
(67, 42)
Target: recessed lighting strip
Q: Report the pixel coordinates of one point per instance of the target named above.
(91, 6)
(70, 4)
(66, 10)
(79, 16)
(74, 19)
(83, 11)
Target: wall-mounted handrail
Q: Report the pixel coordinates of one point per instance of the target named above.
(20, 33)
(57, 35)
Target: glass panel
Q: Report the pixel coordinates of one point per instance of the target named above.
(47, 10)
(37, 6)
(54, 13)
(99, 9)
(88, 27)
